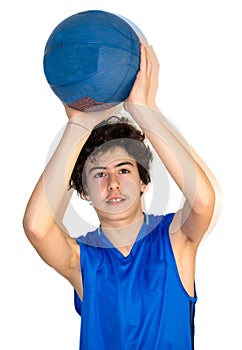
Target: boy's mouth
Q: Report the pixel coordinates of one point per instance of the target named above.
(115, 199)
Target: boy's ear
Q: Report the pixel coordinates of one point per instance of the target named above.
(85, 196)
(143, 187)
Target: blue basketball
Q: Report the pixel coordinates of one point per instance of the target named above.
(91, 60)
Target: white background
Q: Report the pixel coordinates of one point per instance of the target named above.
(198, 44)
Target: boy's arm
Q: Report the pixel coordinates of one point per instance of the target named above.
(42, 218)
(179, 159)
(50, 197)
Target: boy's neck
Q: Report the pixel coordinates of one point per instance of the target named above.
(124, 236)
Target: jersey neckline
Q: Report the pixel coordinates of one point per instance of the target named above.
(145, 229)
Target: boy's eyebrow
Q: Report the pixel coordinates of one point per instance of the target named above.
(124, 163)
(99, 167)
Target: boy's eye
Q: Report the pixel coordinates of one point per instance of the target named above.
(124, 171)
(98, 175)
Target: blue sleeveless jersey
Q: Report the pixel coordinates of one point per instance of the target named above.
(136, 302)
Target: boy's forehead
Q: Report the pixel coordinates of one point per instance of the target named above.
(111, 156)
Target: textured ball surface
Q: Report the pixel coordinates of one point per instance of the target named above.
(91, 59)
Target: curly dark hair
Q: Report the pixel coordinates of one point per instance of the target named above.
(113, 132)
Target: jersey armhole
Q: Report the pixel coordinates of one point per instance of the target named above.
(170, 251)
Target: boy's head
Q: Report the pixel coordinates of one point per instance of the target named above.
(113, 132)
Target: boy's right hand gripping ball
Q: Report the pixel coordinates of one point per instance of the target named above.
(91, 60)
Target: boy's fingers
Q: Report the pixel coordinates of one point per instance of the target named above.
(153, 57)
(143, 58)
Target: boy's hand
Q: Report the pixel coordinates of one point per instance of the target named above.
(71, 112)
(90, 119)
(145, 86)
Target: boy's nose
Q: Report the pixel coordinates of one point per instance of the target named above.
(113, 182)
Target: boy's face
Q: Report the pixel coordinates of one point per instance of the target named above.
(114, 184)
